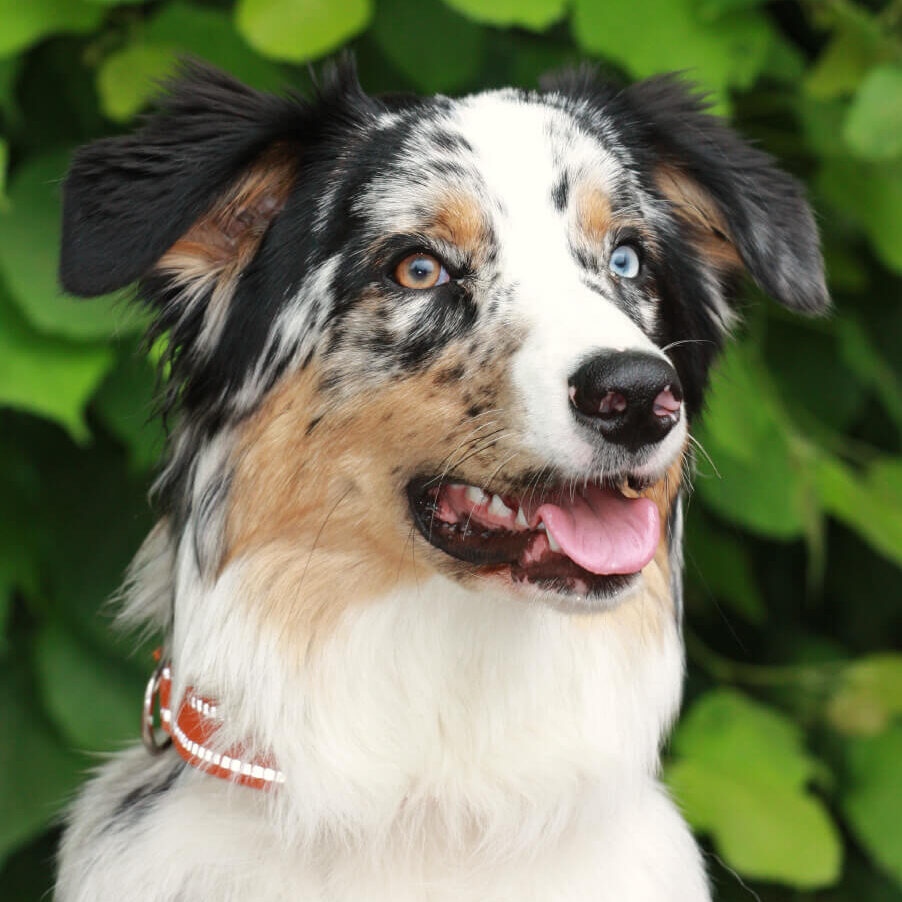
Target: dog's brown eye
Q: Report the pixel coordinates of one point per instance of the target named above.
(420, 271)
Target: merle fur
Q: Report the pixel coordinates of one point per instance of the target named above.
(127, 199)
(664, 121)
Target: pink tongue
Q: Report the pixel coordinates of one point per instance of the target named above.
(604, 532)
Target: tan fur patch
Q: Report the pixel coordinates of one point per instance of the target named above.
(461, 221)
(219, 245)
(301, 511)
(593, 214)
(698, 210)
(665, 490)
(318, 509)
(595, 219)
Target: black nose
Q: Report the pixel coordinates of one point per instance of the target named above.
(631, 398)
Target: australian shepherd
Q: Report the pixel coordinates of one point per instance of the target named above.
(433, 365)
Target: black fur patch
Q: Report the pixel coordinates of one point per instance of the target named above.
(136, 803)
(560, 193)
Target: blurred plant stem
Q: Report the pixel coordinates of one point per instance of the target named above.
(819, 678)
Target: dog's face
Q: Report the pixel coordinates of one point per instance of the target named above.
(468, 335)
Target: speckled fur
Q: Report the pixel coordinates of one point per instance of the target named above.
(444, 735)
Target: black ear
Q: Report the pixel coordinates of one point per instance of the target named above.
(127, 200)
(709, 172)
(733, 198)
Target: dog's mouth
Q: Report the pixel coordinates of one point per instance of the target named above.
(587, 541)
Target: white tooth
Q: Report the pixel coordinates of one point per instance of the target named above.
(521, 519)
(541, 526)
(499, 508)
(475, 495)
(552, 544)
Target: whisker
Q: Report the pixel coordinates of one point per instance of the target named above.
(535, 483)
(469, 439)
(503, 463)
(486, 442)
(320, 533)
(701, 448)
(687, 341)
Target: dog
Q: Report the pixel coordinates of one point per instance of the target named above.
(418, 562)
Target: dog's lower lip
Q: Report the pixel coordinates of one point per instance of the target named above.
(496, 537)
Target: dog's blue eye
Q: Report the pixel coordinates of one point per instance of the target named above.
(420, 271)
(624, 262)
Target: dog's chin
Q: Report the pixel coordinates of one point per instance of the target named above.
(575, 548)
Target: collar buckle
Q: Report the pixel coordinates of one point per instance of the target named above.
(153, 742)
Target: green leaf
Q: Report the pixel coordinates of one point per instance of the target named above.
(210, 34)
(861, 357)
(871, 802)
(57, 99)
(29, 249)
(872, 196)
(18, 571)
(860, 505)
(23, 24)
(784, 62)
(822, 121)
(768, 497)
(847, 267)
(95, 703)
(399, 31)
(869, 695)
(719, 563)
(728, 51)
(523, 58)
(9, 74)
(4, 159)
(37, 773)
(713, 9)
(534, 14)
(125, 404)
(20, 523)
(884, 479)
(298, 30)
(873, 128)
(801, 362)
(740, 775)
(740, 416)
(843, 64)
(754, 477)
(128, 78)
(46, 375)
(90, 508)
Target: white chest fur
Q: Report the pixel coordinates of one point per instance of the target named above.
(438, 744)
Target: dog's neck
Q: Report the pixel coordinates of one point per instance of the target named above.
(469, 706)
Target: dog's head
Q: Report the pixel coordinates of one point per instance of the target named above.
(467, 335)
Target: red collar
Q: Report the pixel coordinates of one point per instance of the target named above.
(192, 730)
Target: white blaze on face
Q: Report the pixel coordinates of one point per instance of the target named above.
(566, 321)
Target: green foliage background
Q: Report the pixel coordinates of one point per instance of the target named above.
(788, 760)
